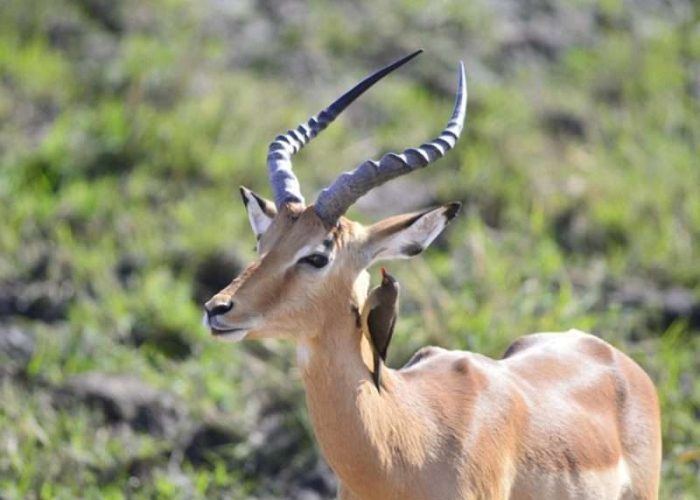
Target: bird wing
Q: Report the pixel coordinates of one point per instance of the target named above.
(388, 339)
(381, 327)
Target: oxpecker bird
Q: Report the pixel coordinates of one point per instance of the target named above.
(379, 318)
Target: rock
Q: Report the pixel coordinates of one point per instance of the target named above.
(128, 269)
(104, 12)
(281, 449)
(16, 349)
(213, 273)
(125, 398)
(43, 301)
(273, 442)
(169, 342)
(576, 231)
(277, 449)
(680, 304)
(564, 124)
(663, 306)
(317, 484)
(209, 439)
(530, 42)
(539, 29)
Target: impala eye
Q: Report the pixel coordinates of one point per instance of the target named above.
(317, 260)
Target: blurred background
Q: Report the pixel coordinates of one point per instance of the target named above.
(127, 127)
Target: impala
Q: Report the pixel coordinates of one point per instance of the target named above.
(561, 415)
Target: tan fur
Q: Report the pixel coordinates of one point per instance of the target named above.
(560, 416)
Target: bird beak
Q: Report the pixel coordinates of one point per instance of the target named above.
(386, 277)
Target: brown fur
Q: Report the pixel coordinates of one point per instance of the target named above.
(560, 416)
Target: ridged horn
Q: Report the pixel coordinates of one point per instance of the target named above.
(285, 185)
(334, 201)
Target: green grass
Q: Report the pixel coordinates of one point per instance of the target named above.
(126, 129)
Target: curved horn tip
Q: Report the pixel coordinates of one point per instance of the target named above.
(410, 56)
(244, 193)
(452, 209)
(461, 74)
(460, 109)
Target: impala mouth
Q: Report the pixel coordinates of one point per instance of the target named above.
(222, 332)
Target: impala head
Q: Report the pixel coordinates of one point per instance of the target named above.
(311, 259)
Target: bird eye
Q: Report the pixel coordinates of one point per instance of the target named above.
(316, 260)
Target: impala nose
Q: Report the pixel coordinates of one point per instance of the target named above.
(218, 304)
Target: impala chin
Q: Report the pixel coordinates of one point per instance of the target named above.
(235, 335)
(225, 332)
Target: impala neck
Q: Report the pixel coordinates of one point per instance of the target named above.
(363, 433)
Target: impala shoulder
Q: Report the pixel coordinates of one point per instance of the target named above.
(597, 349)
(563, 342)
(586, 344)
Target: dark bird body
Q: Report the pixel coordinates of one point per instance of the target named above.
(379, 318)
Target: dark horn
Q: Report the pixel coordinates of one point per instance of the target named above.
(334, 201)
(285, 185)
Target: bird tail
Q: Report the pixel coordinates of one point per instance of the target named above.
(377, 376)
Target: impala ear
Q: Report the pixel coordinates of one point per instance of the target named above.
(260, 211)
(404, 236)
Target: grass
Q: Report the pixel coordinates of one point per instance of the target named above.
(126, 128)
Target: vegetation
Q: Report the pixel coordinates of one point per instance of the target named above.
(126, 128)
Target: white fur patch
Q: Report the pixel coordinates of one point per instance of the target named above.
(623, 473)
(259, 220)
(236, 336)
(592, 484)
(308, 250)
(303, 355)
(361, 287)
